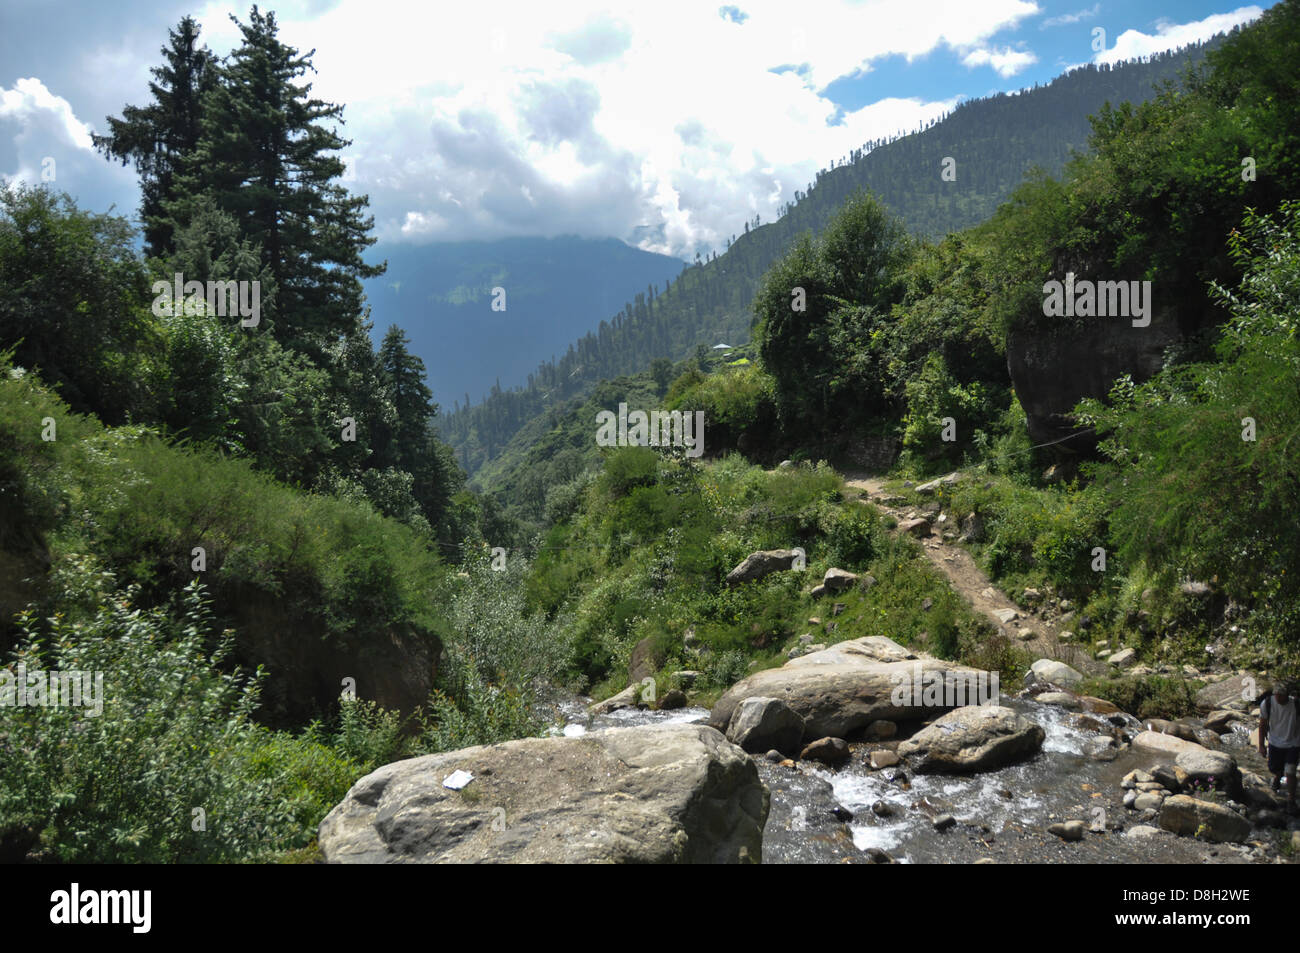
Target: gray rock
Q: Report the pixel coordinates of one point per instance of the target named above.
(928, 489)
(1204, 765)
(762, 563)
(974, 738)
(1058, 673)
(1061, 699)
(1123, 657)
(627, 698)
(1141, 830)
(1006, 616)
(918, 527)
(641, 664)
(871, 648)
(1148, 801)
(883, 758)
(1221, 721)
(759, 723)
(838, 580)
(649, 794)
(840, 698)
(943, 822)
(1236, 690)
(1192, 817)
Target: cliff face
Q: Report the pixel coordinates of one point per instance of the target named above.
(1052, 369)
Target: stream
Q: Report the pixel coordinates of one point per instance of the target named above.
(1000, 816)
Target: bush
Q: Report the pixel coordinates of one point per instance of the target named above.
(174, 738)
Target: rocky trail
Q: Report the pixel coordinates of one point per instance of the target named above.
(1037, 633)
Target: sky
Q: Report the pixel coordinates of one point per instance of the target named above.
(667, 124)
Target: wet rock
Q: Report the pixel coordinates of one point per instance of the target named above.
(883, 759)
(1062, 699)
(627, 698)
(1130, 798)
(762, 563)
(943, 822)
(841, 814)
(648, 794)
(774, 756)
(882, 809)
(672, 699)
(826, 750)
(759, 723)
(974, 738)
(1193, 817)
(1069, 830)
(878, 856)
(1221, 721)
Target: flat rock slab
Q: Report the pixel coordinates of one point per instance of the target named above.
(647, 794)
(871, 648)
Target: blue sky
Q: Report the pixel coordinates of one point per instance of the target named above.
(666, 124)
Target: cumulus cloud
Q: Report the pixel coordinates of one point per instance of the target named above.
(1008, 62)
(663, 125)
(1169, 36)
(42, 142)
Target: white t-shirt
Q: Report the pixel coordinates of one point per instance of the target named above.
(1283, 723)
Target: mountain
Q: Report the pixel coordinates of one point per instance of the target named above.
(994, 142)
(556, 290)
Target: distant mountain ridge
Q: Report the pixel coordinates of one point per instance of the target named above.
(994, 142)
(556, 289)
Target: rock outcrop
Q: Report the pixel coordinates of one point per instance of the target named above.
(649, 794)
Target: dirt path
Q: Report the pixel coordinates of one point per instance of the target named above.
(968, 580)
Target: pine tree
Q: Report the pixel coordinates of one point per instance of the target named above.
(266, 157)
(158, 136)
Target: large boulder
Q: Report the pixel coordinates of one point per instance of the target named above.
(1160, 743)
(1192, 817)
(760, 564)
(839, 698)
(763, 724)
(870, 648)
(1239, 692)
(1210, 767)
(649, 794)
(974, 738)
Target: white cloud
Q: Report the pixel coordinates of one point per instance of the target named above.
(482, 120)
(1067, 18)
(1170, 36)
(1007, 62)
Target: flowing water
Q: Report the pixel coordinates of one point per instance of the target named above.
(1000, 815)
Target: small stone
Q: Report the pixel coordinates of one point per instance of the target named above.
(1069, 830)
(1148, 801)
(944, 821)
(775, 756)
(883, 759)
(841, 813)
(882, 809)
(826, 750)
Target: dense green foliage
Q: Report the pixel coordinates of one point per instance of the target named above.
(998, 140)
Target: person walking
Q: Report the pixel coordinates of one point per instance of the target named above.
(1279, 723)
